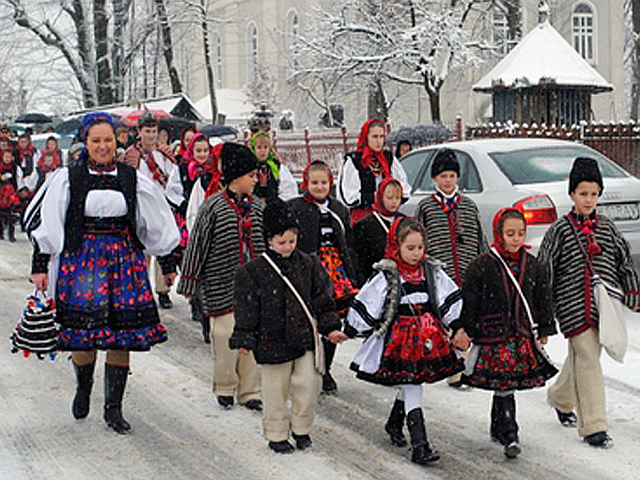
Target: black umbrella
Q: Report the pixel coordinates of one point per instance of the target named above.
(33, 118)
(218, 130)
(69, 126)
(175, 126)
(421, 134)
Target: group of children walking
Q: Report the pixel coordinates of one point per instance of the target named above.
(279, 280)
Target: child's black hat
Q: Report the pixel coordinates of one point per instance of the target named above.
(445, 160)
(277, 218)
(585, 169)
(237, 160)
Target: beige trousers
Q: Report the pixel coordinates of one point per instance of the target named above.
(232, 371)
(301, 377)
(158, 279)
(580, 384)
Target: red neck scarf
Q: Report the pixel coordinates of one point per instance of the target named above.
(498, 239)
(52, 166)
(413, 274)
(216, 174)
(305, 182)
(242, 205)
(29, 150)
(587, 226)
(157, 173)
(376, 161)
(379, 205)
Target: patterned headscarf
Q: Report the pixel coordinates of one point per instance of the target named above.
(498, 238)
(91, 119)
(271, 158)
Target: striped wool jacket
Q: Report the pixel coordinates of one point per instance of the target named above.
(456, 251)
(213, 254)
(560, 251)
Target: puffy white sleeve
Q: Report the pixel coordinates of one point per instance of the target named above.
(449, 298)
(366, 308)
(175, 191)
(29, 182)
(155, 226)
(288, 187)
(397, 172)
(46, 213)
(348, 190)
(196, 199)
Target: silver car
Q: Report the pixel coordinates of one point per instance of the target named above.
(534, 173)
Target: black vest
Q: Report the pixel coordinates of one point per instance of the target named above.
(269, 191)
(368, 185)
(80, 184)
(13, 180)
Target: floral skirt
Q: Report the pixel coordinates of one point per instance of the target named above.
(343, 289)
(184, 237)
(104, 298)
(417, 350)
(8, 197)
(512, 365)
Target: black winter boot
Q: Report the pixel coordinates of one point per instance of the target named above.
(115, 381)
(11, 227)
(509, 427)
(329, 385)
(421, 451)
(2, 222)
(395, 423)
(497, 405)
(84, 383)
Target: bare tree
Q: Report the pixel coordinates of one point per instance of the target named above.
(167, 45)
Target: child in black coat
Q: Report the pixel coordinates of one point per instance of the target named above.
(325, 230)
(505, 323)
(272, 322)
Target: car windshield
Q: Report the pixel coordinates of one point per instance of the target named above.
(550, 164)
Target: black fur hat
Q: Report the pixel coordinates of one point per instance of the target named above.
(585, 169)
(237, 160)
(445, 160)
(277, 218)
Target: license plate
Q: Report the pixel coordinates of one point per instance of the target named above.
(620, 211)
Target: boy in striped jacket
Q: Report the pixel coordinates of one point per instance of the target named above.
(452, 222)
(580, 383)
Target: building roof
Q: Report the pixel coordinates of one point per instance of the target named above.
(232, 102)
(543, 57)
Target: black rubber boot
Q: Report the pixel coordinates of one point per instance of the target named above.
(395, 423)
(329, 385)
(11, 227)
(2, 222)
(509, 427)
(115, 381)
(496, 406)
(421, 451)
(84, 383)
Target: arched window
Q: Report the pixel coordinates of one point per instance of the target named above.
(252, 52)
(583, 21)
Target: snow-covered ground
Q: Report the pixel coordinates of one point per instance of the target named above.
(180, 432)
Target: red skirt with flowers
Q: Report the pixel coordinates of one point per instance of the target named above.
(343, 289)
(417, 350)
(512, 365)
(8, 197)
(104, 299)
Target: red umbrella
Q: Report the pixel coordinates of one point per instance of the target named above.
(130, 119)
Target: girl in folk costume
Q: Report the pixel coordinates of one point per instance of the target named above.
(370, 234)
(505, 321)
(405, 309)
(325, 230)
(274, 178)
(47, 165)
(185, 140)
(89, 226)
(10, 183)
(363, 171)
(576, 246)
(207, 180)
(26, 154)
(272, 322)
(52, 147)
(227, 234)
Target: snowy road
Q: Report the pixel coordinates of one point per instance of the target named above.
(179, 432)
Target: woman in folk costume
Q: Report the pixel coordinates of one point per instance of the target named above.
(274, 178)
(505, 321)
(325, 231)
(363, 171)
(405, 309)
(370, 234)
(89, 226)
(11, 182)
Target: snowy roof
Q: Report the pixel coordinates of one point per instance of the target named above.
(232, 102)
(543, 57)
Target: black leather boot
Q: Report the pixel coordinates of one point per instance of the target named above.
(84, 383)
(395, 423)
(421, 451)
(329, 385)
(496, 408)
(115, 381)
(11, 227)
(2, 222)
(509, 427)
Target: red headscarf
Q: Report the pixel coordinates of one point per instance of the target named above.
(57, 161)
(411, 273)
(379, 205)
(498, 238)
(305, 180)
(196, 168)
(182, 150)
(369, 156)
(216, 175)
